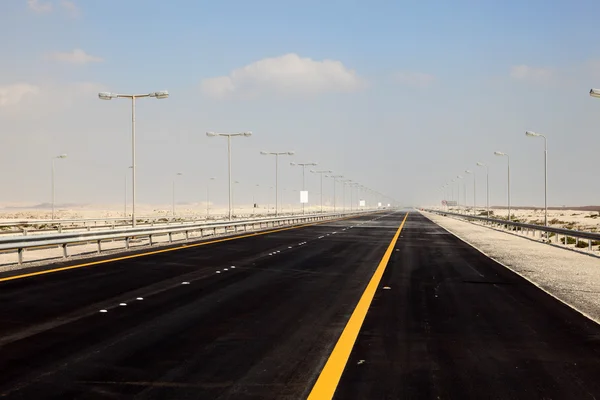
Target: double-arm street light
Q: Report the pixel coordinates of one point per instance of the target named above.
(229, 136)
(487, 186)
(533, 134)
(321, 173)
(277, 154)
(59, 157)
(468, 171)
(335, 178)
(501, 154)
(109, 96)
(303, 165)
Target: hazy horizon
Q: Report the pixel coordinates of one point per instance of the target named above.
(370, 92)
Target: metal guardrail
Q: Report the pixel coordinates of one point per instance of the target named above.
(526, 229)
(21, 243)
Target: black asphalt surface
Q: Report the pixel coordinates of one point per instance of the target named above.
(456, 325)
(261, 330)
(452, 325)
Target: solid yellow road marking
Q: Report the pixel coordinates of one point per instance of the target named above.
(185, 246)
(334, 367)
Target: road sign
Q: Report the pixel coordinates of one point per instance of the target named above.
(304, 196)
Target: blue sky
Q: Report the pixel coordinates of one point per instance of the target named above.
(400, 96)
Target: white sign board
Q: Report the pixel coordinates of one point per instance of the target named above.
(304, 196)
(362, 203)
(379, 204)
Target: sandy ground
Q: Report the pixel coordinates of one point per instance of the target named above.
(572, 277)
(572, 219)
(117, 211)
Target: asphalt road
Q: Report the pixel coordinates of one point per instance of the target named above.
(450, 324)
(456, 325)
(261, 330)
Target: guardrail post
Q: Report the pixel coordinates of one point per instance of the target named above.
(59, 228)
(65, 251)
(150, 240)
(187, 235)
(170, 237)
(20, 254)
(24, 231)
(99, 246)
(590, 245)
(127, 242)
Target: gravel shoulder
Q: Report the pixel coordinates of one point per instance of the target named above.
(571, 277)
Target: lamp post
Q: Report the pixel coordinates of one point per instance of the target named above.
(335, 178)
(277, 154)
(487, 186)
(533, 134)
(59, 157)
(109, 96)
(321, 173)
(125, 194)
(232, 196)
(175, 177)
(468, 171)
(501, 154)
(458, 177)
(303, 165)
(208, 196)
(229, 136)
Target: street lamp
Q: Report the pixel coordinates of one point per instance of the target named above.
(55, 158)
(458, 191)
(303, 165)
(501, 154)
(321, 173)
(229, 136)
(468, 171)
(125, 194)
(163, 94)
(175, 177)
(208, 195)
(277, 154)
(335, 178)
(533, 134)
(487, 186)
(232, 196)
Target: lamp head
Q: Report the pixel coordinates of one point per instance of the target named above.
(107, 96)
(162, 94)
(480, 164)
(211, 134)
(499, 153)
(595, 92)
(247, 134)
(532, 134)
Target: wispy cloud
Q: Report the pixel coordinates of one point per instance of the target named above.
(531, 74)
(76, 56)
(15, 93)
(418, 79)
(38, 6)
(289, 74)
(71, 8)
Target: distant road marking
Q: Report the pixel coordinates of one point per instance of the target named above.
(329, 378)
(185, 246)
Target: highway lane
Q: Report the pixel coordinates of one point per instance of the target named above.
(248, 318)
(456, 325)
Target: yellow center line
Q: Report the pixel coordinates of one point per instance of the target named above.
(185, 246)
(331, 374)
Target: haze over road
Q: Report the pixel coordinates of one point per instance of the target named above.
(259, 318)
